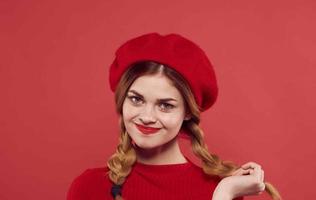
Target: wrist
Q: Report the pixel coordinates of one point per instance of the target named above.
(221, 196)
(222, 193)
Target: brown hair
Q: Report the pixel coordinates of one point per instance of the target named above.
(121, 162)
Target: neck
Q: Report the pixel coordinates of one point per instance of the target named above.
(168, 153)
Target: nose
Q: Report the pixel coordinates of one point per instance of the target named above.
(148, 115)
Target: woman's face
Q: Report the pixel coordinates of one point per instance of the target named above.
(148, 103)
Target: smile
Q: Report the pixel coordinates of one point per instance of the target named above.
(147, 130)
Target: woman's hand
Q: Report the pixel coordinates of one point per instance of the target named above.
(247, 180)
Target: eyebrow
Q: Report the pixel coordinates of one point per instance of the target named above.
(161, 100)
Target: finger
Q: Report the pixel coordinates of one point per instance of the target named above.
(236, 172)
(250, 165)
(262, 187)
(260, 175)
(256, 170)
(239, 171)
(246, 172)
(257, 173)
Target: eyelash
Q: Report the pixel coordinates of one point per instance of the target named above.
(168, 106)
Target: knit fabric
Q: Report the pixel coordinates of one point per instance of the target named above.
(175, 51)
(184, 181)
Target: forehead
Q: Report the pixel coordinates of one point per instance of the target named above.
(158, 86)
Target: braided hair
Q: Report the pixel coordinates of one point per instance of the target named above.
(122, 161)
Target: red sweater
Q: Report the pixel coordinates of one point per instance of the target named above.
(184, 181)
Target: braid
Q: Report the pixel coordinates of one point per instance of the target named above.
(212, 164)
(120, 164)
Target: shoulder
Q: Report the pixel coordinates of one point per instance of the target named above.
(212, 181)
(90, 181)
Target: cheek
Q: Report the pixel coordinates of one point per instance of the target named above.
(128, 111)
(172, 120)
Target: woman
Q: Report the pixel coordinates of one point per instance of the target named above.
(161, 85)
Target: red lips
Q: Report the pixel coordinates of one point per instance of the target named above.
(147, 130)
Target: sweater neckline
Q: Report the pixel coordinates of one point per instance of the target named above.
(163, 168)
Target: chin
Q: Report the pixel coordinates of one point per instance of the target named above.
(144, 145)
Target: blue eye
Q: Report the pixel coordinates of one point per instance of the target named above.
(137, 100)
(134, 99)
(167, 106)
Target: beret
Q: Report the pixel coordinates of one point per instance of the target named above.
(176, 51)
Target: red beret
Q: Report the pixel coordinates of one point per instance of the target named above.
(174, 50)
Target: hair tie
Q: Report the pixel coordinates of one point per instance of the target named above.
(116, 190)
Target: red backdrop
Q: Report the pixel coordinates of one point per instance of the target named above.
(57, 114)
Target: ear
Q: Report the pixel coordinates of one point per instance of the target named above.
(187, 117)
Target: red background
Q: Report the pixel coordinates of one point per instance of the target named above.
(57, 114)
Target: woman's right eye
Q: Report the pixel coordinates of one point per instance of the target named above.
(134, 99)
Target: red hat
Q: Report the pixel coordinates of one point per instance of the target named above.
(174, 50)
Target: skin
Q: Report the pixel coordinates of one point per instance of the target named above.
(161, 147)
(248, 180)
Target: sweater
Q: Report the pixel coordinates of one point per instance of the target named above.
(184, 181)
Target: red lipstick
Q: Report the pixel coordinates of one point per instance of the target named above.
(147, 130)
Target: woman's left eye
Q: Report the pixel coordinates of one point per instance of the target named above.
(167, 106)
